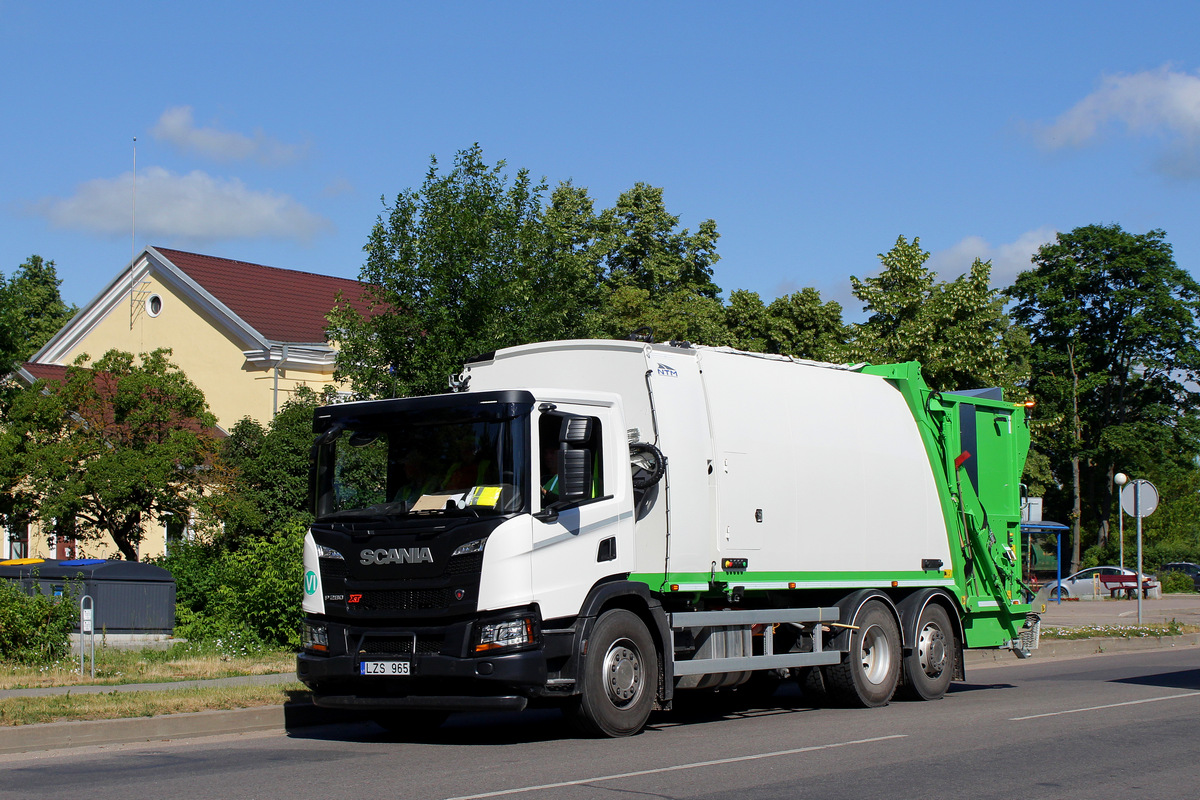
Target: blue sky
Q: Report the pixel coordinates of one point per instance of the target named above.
(814, 134)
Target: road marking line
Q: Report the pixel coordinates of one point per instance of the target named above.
(1110, 705)
(678, 767)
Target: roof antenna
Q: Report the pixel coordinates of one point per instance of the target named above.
(133, 235)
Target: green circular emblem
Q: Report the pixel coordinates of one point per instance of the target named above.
(310, 582)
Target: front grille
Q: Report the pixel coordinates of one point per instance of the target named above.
(333, 569)
(471, 564)
(402, 646)
(404, 599)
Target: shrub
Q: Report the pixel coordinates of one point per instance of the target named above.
(34, 629)
(1177, 583)
(247, 597)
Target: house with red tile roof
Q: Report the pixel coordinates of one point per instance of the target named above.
(247, 335)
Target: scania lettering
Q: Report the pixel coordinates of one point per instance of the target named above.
(410, 555)
(598, 525)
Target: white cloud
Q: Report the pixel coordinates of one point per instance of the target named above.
(177, 127)
(1008, 260)
(338, 187)
(1158, 102)
(195, 206)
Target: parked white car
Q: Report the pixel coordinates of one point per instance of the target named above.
(1081, 584)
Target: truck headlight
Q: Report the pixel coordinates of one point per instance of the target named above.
(329, 552)
(470, 547)
(505, 634)
(315, 637)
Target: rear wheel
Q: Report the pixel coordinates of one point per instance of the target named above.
(929, 668)
(619, 678)
(869, 673)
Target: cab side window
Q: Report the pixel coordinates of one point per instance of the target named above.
(570, 445)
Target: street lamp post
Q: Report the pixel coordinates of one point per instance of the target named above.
(1142, 504)
(1120, 479)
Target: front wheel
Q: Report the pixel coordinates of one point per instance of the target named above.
(929, 668)
(869, 673)
(619, 677)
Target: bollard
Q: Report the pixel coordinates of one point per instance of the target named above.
(87, 608)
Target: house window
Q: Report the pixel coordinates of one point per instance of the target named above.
(154, 305)
(18, 540)
(176, 531)
(65, 546)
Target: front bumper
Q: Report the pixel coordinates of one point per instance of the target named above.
(522, 668)
(447, 683)
(443, 673)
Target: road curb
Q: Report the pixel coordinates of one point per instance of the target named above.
(60, 735)
(293, 716)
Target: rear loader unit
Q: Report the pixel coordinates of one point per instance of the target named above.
(600, 524)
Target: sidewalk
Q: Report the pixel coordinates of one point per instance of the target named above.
(1183, 608)
(244, 680)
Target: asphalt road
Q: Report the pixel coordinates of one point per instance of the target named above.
(1119, 725)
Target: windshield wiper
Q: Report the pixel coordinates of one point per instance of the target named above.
(377, 511)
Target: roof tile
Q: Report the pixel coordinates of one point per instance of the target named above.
(45, 372)
(283, 305)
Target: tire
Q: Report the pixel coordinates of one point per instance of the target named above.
(1054, 593)
(870, 671)
(812, 686)
(619, 679)
(929, 668)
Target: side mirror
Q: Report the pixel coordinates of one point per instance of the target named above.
(574, 475)
(575, 430)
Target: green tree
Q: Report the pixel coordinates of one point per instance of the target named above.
(113, 445)
(656, 275)
(957, 329)
(573, 280)
(31, 311)
(473, 261)
(1113, 324)
(747, 322)
(456, 268)
(800, 325)
(797, 325)
(647, 250)
(269, 465)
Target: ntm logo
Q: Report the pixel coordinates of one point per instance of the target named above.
(666, 370)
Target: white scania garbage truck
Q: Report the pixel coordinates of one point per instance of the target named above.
(601, 524)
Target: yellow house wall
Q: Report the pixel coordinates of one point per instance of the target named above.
(152, 546)
(211, 358)
(201, 348)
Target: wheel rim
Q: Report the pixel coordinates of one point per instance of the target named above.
(623, 673)
(876, 654)
(931, 650)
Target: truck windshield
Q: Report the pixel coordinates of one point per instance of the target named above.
(466, 462)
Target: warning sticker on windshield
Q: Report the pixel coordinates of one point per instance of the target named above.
(484, 496)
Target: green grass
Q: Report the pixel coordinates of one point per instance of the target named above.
(183, 661)
(127, 705)
(1171, 628)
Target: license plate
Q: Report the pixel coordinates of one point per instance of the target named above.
(385, 668)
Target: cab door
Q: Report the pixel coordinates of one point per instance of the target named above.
(583, 516)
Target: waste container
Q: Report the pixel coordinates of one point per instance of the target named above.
(128, 596)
